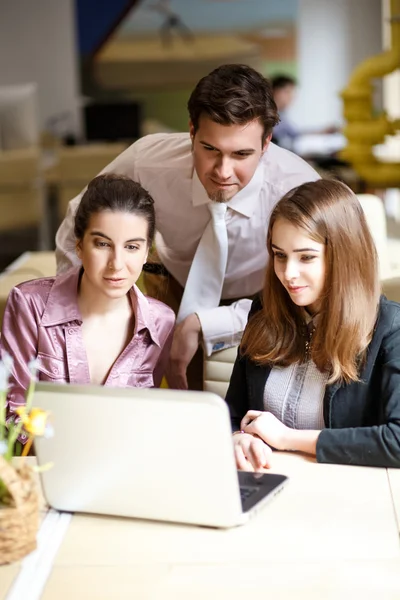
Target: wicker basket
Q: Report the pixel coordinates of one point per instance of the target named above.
(19, 520)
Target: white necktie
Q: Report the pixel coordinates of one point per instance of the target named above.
(206, 276)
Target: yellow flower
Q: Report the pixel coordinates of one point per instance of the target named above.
(34, 421)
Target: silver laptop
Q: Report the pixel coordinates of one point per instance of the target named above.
(146, 453)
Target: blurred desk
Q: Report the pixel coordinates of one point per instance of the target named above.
(323, 144)
(30, 265)
(330, 534)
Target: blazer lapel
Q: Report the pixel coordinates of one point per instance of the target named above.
(330, 391)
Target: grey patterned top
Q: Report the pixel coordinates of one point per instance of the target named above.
(295, 395)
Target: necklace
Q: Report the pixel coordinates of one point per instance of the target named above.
(308, 340)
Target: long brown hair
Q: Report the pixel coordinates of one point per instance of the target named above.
(330, 213)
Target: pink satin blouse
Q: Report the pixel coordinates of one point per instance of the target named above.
(42, 320)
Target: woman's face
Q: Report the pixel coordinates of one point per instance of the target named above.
(113, 251)
(299, 264)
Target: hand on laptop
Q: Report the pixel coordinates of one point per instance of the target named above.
(251, 453)
(265, 425)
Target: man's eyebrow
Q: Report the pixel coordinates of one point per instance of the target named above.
(101, 234)
(297, 249)
(248, 150)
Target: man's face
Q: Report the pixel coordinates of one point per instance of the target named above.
(226, 156)
(284, 96)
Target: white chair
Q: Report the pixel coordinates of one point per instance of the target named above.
(217, 371)
(388, 249)
(218, 367)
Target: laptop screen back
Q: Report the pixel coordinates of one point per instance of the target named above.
(148, 453)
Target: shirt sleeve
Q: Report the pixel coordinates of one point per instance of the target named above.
(19, 339)
(237, 396)
(285, 129)
(379, 445)
(223, 327)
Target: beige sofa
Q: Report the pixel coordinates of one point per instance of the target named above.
(21, 191)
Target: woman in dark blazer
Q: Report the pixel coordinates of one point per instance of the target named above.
(318, 369)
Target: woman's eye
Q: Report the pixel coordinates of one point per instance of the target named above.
(132, 247)
(279, 255)
(307, 257)
(100, 244)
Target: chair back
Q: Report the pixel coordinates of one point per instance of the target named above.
(217, 371)
(374, 211)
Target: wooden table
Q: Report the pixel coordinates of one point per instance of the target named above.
(30, 265)
(332, 533)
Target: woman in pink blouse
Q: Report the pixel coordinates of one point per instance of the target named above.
(92, 324)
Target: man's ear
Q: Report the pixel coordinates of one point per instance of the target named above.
(191, 130)
(266, 143)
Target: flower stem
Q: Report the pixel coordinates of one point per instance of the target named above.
(3, 396)
(29, 395)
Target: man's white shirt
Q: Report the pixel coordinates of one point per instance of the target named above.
(163, 165)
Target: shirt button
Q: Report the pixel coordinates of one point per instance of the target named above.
(70, 331)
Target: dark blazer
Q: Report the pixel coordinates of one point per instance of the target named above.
(362, 419)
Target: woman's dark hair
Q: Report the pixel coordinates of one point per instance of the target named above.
(115, 193)
(234, 95)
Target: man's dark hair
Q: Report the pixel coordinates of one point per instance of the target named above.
(280, 81)
(234, 95)
(115, 193)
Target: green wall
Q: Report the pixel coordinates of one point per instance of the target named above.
(169, 107)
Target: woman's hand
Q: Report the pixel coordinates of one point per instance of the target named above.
(277, 435)
(251, 453)
(270, 429)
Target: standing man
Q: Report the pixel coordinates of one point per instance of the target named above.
(214, 189)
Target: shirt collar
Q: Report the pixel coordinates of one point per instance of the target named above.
(62, 305)
(244, 202)
(62, 302)
(310, 321)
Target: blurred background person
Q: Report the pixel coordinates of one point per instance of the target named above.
(285, 133)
